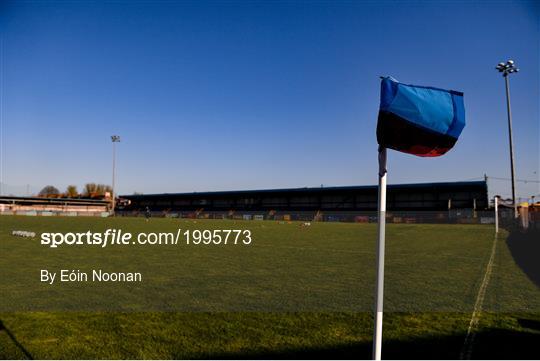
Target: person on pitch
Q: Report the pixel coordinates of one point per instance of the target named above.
(147, 214)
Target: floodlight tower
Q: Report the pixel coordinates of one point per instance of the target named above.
(506, 69)
(115, 139)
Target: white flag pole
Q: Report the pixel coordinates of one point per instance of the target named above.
(496, 201)
(377, 330)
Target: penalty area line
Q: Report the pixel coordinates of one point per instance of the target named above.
(466, 351)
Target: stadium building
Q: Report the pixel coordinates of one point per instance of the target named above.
(324, 203)
(53, 206)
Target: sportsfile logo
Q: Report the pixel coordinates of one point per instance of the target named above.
(118, 237)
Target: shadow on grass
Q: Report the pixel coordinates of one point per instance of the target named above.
(525, 248)
(532, 324)
(489, 344)
(3, 328)
(506, 344)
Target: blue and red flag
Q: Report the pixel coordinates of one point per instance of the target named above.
(419, 120)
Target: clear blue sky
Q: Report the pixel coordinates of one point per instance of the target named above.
(245, 95)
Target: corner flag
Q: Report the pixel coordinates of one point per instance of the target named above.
(419, 120)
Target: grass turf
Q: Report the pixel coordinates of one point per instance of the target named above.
(316, 282)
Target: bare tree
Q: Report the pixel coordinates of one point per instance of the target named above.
(71, 191)
(100, 189)
(96, 190)
(90, 189)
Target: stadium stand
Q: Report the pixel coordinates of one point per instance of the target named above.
(53, 206)
(428, 202)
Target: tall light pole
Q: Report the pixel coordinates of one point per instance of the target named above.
(115, 139)
(506, 69)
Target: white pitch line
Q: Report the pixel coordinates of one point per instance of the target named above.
(466, 351)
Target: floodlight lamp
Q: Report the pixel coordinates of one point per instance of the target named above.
(510, 62)
(115, 138)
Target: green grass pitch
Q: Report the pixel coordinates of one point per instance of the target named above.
(294, 292)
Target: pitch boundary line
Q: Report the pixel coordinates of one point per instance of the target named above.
(466, 351)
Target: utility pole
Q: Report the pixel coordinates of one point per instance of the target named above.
(115, 139)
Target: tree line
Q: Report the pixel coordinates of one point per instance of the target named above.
(91, 190)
